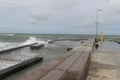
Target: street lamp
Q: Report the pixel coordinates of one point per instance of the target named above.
(97, 21)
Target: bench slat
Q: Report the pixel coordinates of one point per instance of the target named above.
(78, 69)
(45, 69)
(54, 75)
(68, 62)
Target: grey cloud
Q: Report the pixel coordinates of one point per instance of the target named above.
(63, 4)
(58, 14)
(39, 19)
(112, 13)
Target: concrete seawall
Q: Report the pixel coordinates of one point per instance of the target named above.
(18, 67)
(15, 48)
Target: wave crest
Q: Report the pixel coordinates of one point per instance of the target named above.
(34, 40)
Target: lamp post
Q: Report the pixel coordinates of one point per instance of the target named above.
(97, 21)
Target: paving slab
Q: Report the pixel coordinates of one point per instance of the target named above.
(105, 62)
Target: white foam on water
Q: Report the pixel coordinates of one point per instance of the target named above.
(29, 41)
(6, 44)
(10, 34)
(5, 64)
(34, 40)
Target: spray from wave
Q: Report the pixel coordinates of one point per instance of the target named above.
(34, 40)
(29, 41)
(7, 44)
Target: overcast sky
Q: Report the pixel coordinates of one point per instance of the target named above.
(59, 16)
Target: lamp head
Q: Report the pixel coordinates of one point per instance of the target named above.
(100, 10)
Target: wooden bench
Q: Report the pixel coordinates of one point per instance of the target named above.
(76, 70)
(79, 69)
(71, 66)
(68, 62)
(45, 69)
(54, 75)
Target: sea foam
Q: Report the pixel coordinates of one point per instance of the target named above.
(34, 40)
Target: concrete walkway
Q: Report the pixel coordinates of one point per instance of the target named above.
(105, 62)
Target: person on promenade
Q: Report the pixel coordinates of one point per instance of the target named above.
(96, 44)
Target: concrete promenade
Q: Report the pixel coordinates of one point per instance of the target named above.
(105, 62)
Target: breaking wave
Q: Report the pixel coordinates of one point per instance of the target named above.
(34, 40)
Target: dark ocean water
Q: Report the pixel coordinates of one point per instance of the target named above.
(7, 40)
(43, 37)
(48, 52)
